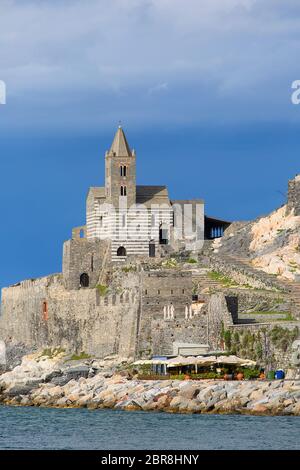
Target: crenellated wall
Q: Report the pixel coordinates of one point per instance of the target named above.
(77, 320)
(137, 314)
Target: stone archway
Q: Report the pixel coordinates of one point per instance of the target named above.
(84, 280)
(121, 251)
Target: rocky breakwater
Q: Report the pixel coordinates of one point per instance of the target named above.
(51, 383)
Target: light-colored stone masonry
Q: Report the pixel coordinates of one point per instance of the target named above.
(77, 320)
(141, 313)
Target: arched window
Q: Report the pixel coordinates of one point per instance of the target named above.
(123, 170)
(123, 191)
(81, 233)
(45, 310)
(84, 280)
(121, 251)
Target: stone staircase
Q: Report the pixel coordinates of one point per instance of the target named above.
(294, 294)
(291, 288)
(204, 281)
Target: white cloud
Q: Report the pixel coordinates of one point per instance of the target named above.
(130, 49)
(160, 87)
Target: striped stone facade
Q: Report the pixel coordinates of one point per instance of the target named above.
(136, 219)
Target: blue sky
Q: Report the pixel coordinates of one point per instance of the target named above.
(202, 88)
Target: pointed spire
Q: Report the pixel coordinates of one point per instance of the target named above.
(120, 147)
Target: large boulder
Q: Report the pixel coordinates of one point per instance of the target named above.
(18, 390)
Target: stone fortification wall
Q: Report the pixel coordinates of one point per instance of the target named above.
(168, 314)
(84, 256)
(202, 327)
(137, 314)
(165, 294)
(43, 314)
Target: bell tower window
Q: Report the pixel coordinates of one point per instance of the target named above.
(123, 170)
(123, 191)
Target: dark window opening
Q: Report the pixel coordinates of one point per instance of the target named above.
(123, 170)
(163, 236)
(121, 251)
(92, 263)
(84, 280)
(152, 250)
(45, 311)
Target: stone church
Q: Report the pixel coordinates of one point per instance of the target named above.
(125, 221)
(137, 219)
(106, 301)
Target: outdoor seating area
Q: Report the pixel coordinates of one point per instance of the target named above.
(199, 367)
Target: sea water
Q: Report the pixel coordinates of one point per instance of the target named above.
(42, 428)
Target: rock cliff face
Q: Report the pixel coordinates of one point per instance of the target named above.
(270, 243)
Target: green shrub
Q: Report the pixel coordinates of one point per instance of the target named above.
(227, 339)
(78, 357)
(192, 261)
(129, 269)
(153, 377)
(236, 337)
(170, 263)
(178, 377)
(222, 278)
(102, 289)
(250, 373)
(206, 375)
(51, 353)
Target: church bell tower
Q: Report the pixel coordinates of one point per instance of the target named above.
(120, 172)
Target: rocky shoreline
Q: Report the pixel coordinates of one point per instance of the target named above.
(51, 382)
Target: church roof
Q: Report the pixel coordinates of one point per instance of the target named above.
(120, 147)
(97, 192)
(148, 195)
